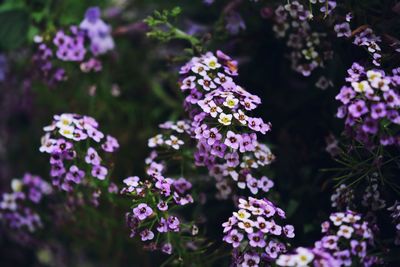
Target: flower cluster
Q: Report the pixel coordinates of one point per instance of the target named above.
(180, 128)
(154, 199)
(75, 145)
(226, 134)
(342, 197)
(395, 215)
(371, 105)
(309, 49)
(43, 59)
(370, 41)
(98, 32)
(346, 241)
(72, 45)
(255, 234)
(16, 208)
(363, 37)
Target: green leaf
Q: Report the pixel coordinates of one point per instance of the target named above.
(14, 25)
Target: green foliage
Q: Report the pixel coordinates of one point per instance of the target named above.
(14, 25)
(163, 30)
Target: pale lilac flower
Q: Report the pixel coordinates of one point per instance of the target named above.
(358, 108)
(142, 211)
(92, 157)
(100, 172)
(146, 234)
(233, 140)
(76, 175)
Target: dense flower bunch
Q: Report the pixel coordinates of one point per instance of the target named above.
(226, 135)
(17, 207)
(255, 233)
(309, 49)
(154, 199)
(93, 35)
(346, 241)
(371, 105)
(75, 145)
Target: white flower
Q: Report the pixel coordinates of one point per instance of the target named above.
(304, 257)
(155, 141)
(231, 102)
(65, 121)
(49, 128)
(225, 119)
(207, 83)
(381, 83)
(214, 109)
(200, 69)
(222, 78)
(67, 131)
(241, 117)
(242, 215)
(373, 75)
(246, 225)
(337, 218)
(188, 83)
(286, 260)
(16, 185)
(350, 218)
(345, 231)
(212, 62)
(8, 202)
(362, 87)
(243, 204)
(47, 144)
(174, 142)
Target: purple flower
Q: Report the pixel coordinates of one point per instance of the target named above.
(343, 257)
(92, 14)
(100, 172)
(57, 170)
(257, 239)
(173, 223)
(330, 242)
(272, 249)
(265, 184)
(233, 140)
(370, 126)
(95, 134)
(378, 110)
(142, 211)
(252, 184)
(162, 226)
(110, 145)
(358, 248)
(234, 23)
(358, 108)
(167, 248)
(250, 260)
(232, 159)
(75, 175)
(346, 94)
(182, 185)
(146, 234)
(218, 149)
(92, 157)
(343, 29)
(288, 230)
(163, 206)
(213, 136)
(234, 238)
